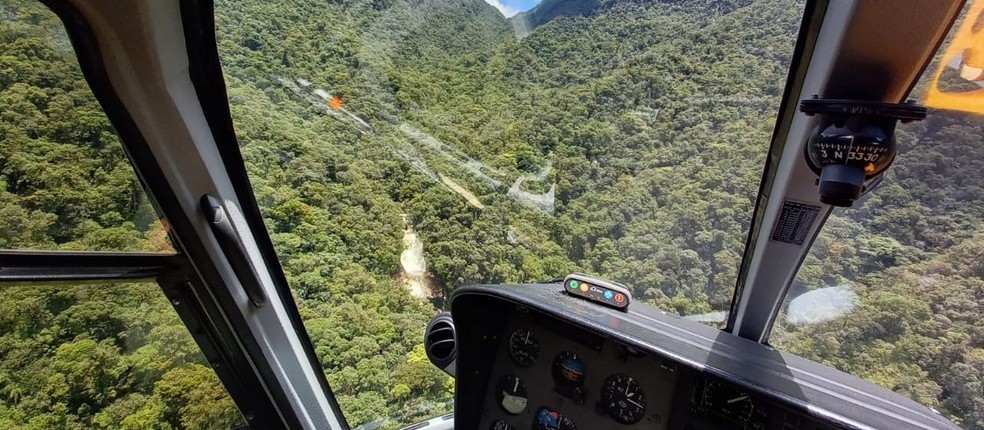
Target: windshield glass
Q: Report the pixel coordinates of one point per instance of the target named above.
(66, 182)
(893, 289)
(400, 149)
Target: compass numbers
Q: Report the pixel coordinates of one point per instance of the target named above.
(500, 425)
(843, 152)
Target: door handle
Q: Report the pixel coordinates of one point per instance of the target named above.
(233, 249)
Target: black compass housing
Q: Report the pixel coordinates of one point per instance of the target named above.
(853, 145)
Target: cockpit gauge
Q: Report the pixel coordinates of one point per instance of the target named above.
(623, 398)
(511, 394)
(500, 425)
(730, 402)
(568, 369)
(568, 374)
(550, 419)
(523, 347)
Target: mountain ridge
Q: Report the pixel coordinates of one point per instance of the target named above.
(547, 10)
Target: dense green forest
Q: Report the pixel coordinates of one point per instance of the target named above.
(617, 137)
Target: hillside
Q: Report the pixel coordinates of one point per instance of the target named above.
(548, 10)
(617, 137)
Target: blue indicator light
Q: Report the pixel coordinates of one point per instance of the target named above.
(608, 295)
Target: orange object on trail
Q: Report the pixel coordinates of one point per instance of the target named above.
(336, 101)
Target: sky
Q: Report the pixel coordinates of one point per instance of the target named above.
(512, 7)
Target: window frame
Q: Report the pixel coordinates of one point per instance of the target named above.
(28, 266)
(196, 282)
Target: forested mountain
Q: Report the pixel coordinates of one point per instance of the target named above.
(623, 138)
(547, 10)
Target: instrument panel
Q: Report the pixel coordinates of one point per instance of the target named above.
(549, 377)
(533, 357)
(545, 379)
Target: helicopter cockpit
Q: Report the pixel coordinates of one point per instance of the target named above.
(498, 214)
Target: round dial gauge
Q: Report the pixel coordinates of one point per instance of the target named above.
(623, 398)
(523, 347)
(500, 425)
(511, 393)
(568, 369)
(550, 419)
(728, 401)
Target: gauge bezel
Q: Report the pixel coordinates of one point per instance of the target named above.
(563, 422)
(611, 383)
(557, 374)
(710, 403)
(535, 345)
(501, 386)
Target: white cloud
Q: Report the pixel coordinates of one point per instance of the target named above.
(505, 10)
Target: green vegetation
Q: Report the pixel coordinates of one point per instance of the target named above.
(67, 183)
(103, 356)
(650, 120)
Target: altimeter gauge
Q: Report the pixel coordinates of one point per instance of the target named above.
(623, 398)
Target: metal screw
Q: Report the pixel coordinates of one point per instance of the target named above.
(175, 302)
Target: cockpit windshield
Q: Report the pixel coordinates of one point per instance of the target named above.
(401, 149)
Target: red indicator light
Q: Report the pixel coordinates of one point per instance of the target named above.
(619, 298)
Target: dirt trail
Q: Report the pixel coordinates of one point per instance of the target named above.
(462, 191)
(413, 264)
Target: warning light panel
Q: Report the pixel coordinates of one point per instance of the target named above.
(598, 290)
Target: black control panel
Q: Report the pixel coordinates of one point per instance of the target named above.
(546, 376)
(535, 357)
